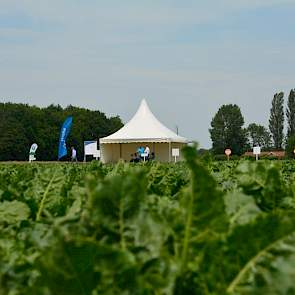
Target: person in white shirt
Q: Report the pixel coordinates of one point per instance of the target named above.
(147, 152)
(74, 155)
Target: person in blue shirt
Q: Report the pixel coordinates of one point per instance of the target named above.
(140, 151)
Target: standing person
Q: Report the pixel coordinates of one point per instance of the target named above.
(74, 155)
(147, 152)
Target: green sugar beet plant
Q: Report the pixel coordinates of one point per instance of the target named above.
(193, 228)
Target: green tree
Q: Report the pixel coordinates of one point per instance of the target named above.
(291, 113)
(258, 135)
(227, 130)
(276, 121)
(21, 125)
(290, 146)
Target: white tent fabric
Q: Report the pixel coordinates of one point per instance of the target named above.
(143, 127)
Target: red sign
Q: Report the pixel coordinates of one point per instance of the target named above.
(227, 152)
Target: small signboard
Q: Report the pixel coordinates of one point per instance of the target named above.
(90, 149)
(256, 151)
(175, 154)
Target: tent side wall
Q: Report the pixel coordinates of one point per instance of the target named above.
(113, 152)
(110, 153)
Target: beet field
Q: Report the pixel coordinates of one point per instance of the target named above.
(198, 227)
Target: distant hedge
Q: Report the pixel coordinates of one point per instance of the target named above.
(221, 157)
(21, 125)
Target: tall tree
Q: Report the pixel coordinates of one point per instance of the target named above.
(259, 135)
(227, 130)
(276, 121)
(290, 146)
(291, 114)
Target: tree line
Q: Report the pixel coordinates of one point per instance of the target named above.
(21, 125)
(228, 131)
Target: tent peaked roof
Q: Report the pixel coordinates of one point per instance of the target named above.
(143, 127)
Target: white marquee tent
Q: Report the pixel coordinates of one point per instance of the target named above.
(144, 129)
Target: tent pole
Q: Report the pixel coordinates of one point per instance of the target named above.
(120, 150)
(169, 151)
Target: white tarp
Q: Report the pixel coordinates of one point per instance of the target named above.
(143, 127)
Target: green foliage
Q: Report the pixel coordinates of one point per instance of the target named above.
(199, 227)
(12, 212)
(276, 120)
(265, 184)
(224, 157)
(227, 130)
(21, 125)
(259, 135)
(290, 147)
(291, 114)
(165, 180)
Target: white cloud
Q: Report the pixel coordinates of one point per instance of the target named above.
(110, 55)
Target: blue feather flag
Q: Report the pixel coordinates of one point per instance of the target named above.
(64, 132)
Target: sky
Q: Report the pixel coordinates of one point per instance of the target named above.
(186, 58)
